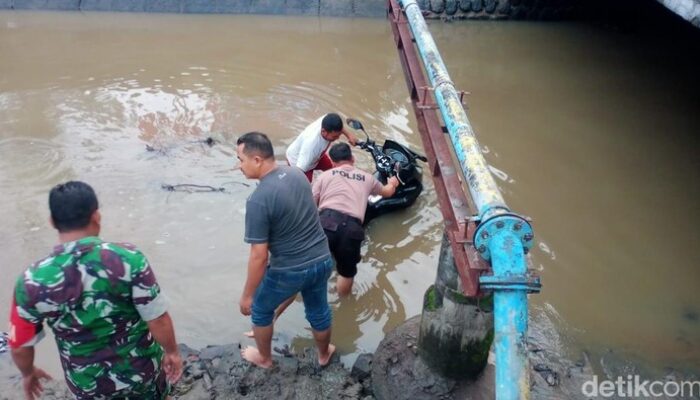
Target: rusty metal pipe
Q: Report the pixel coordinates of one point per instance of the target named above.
(502, 236)
(480, 182)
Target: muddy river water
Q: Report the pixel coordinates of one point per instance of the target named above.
(592, 132)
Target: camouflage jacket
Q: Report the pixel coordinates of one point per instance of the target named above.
(96, 297)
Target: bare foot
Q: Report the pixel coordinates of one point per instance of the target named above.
(323, 361)
(253, 355)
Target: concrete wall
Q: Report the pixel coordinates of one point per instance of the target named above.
(345, 8)
(502, 9)
(445, 9)
(435, 9)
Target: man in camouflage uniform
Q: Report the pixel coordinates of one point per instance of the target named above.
(104, 306)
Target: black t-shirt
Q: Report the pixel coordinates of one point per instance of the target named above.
(281, 212)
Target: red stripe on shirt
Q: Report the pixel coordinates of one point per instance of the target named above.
(22, 332)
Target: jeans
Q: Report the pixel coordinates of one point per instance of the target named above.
(279, 285)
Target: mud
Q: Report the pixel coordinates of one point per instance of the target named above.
(219, 372)
(398, 373)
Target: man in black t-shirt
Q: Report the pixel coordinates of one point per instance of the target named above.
(283, 228)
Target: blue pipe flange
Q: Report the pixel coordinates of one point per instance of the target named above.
(508, 221)
(527, 283)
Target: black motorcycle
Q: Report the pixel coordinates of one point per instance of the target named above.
(392, 159)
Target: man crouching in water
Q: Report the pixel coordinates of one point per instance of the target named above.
(288, 250)
(341, 194)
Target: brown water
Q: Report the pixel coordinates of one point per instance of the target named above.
(590, 132)
(596, 133)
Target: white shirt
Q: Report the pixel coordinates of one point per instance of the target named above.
(308, 147)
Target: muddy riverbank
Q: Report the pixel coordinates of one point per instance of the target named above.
(219, 372)
(393, 372)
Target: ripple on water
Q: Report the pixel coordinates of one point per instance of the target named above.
(29, 166)
(500, 174)
(547, 250)
(307, 100)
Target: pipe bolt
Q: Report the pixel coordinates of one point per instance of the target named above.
(518, 226)
(482, 249)
(528, 237)
(484, 235)
(500, 224)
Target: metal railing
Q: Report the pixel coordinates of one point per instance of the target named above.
(497, 234)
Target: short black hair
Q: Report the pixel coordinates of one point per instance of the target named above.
(72, 204)
(340, 152)
(256, 143)
(332, 123)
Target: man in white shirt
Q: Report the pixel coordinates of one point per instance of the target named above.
(308, 151)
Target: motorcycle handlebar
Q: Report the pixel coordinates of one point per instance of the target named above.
(365, 145)
(370, 146)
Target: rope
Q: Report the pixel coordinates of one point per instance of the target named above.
(191, 188)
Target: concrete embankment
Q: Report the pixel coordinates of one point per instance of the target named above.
(446, 9)
(345, 8)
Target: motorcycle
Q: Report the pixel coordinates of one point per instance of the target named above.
(391, 159)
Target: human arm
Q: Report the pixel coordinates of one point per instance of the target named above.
(352, 139)
(24, 359)
(163, 332)
(152, 308)
(316, 191)
(26, 329)
(257, 234)
(257, 262)
(389, 189)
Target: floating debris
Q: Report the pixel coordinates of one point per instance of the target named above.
(210, 141)
(691, 315)
(236, 183)
(191, 188)
(163, 150)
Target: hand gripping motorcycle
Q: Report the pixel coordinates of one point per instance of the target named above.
(391, 159)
